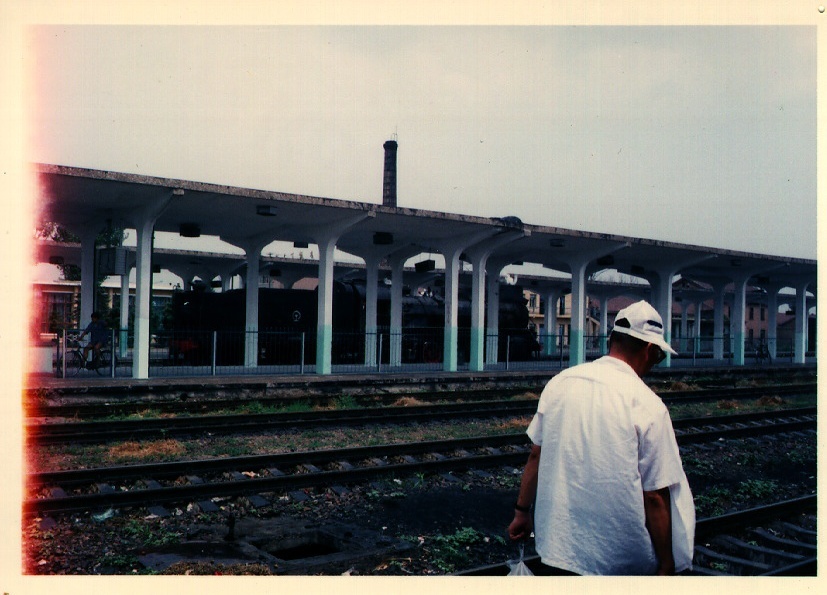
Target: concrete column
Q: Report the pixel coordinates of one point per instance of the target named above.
(577, 352)
(492, 325)
(772, 319)
(684, 325)
(550, 299)
(479, 258)
(492, 303)
(719, 289)
(123, 338)
(143, 220)
(604, 324)
(450, 337)
(696, 331)
(451, 250)
(662, 296)
(801, 316)
(578, 265)
(326, 238)
(87, 274)
(371, 299)
(143, 290)
(476, 361)
(324, 306)
(737, 318)
(397, 283)
(252, 249)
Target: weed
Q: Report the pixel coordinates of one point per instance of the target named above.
(449, 551)
(712, 502)
(297, 407)
(798, 458)
(149, 536)
(695, 466)
(346, 402)
(749, 459)
(123, 561)
(756, 489)
(509, 481)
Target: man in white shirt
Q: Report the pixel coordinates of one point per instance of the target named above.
(604, 474)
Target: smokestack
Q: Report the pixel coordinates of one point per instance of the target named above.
(389, 185)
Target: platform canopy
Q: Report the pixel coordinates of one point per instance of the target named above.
(79, 198)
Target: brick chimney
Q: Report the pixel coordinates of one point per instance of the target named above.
(389, 183)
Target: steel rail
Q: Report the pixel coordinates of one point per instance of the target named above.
(201, 406)
(102, 431)
(51, 433)
(36, 481)
(707, 527)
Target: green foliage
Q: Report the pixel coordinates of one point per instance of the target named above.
(756, 488)
(698, 467)
(120, 561)
(148, 535)
(799, 457)
(346, 402)
(297, 407)
(712, 502)
(450, 551)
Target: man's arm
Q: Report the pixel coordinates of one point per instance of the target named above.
(522, 525)
(657, 506)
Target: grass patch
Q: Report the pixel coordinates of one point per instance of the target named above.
(713, 502)
(447, 552)
(142, 451)
(756, 489)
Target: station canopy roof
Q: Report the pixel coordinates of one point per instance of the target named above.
(79, 199)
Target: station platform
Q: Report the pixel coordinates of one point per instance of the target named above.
(374, 382)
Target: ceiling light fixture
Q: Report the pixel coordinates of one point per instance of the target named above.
(382, 238)
(266, 210)
(424, 266)
(189, 230)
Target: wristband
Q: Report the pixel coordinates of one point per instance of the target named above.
(522, 508)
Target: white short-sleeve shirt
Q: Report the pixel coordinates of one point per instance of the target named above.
(606, 438)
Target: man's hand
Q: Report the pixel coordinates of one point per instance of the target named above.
(521, 527)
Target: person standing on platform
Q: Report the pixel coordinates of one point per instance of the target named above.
(604, 476)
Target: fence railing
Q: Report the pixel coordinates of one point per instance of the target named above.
(204, 353)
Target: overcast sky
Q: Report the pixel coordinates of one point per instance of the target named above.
(698, 135)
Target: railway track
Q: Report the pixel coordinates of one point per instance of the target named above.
(257, 476)
(773, 540)
(184, 405)
(103, 431)
(197, 481)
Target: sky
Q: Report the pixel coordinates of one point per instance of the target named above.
(692, 134)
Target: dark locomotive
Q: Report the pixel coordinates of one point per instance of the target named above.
(287, 326)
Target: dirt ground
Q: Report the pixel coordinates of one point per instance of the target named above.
(453, 522)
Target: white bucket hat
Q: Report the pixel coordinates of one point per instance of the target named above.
(642, 321)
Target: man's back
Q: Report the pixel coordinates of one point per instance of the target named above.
(605, 439)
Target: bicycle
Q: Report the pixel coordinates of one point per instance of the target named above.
(762, 354)
(101, 361)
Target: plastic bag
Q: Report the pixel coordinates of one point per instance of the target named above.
(518, 567)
